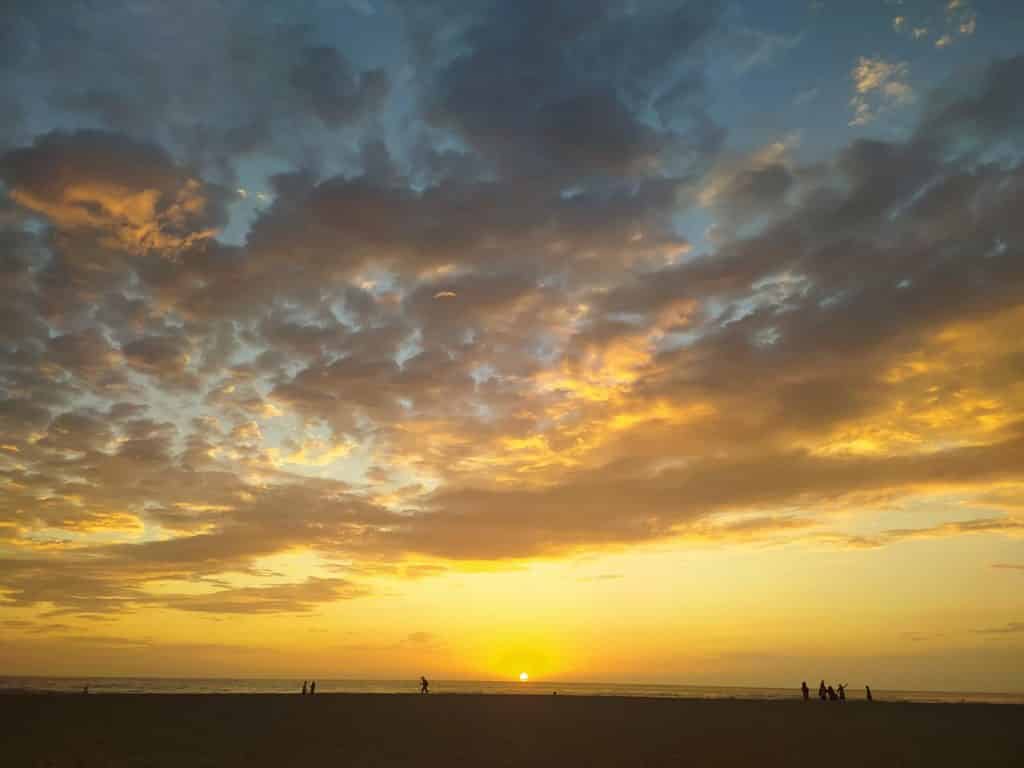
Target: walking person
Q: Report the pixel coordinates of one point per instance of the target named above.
(805, 691)
(424, 685)
(867, 689)
(822, 692)
(842, 691)
(312, 687)
(303, 687)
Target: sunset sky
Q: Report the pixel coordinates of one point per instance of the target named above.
(617, 340)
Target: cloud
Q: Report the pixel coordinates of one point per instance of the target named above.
(603, 577)
(548, 89)
(603, 507)
(36, 628)
(421, 638)
(760, 48)
(999, 525)
(164, 356)
(131, 195)
(806, 96)
(1014, 627)
(277, 599)
(878, 85)
(323, 76)
(960, 14)
(268, 83)
(467, 322)
(750, 188)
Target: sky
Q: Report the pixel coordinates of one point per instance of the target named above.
(626, 340)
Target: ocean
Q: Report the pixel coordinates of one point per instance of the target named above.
(165, 685)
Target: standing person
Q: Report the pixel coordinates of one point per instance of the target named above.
(303, 687)
(424, 685)
(312, 687)
(822, 693)
(867, 688)
(842, 691)
(831, 693)
(805, 691)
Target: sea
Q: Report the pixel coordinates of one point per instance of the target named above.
(168, 685)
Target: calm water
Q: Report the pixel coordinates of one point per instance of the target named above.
(263, 685)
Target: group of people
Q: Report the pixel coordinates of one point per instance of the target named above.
(828, 693)
(309, 686)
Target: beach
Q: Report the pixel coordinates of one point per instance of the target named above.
(207, 731)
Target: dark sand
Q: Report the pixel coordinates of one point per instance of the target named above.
(193, 731)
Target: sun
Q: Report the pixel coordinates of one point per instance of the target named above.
(523, 677)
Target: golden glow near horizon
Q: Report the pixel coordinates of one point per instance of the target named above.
(345, 368)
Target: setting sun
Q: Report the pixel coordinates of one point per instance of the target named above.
(523, 677)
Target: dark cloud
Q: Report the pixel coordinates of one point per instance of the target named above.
(554, 89)
(215, 82)
(609, 507)
(165, 356)
(985, 111)
(324, 76)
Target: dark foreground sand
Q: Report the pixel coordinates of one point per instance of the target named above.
(192, 731)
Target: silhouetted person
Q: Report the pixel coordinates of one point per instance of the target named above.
(822, 693)
(424, 685)
(831, 693)
(805, 691)
(842, 692)
(867, 688)
(312, 687)
(303, 687)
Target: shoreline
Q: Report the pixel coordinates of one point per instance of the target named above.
(796, 700)
(333, 686)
